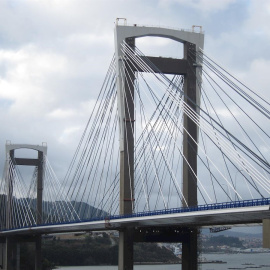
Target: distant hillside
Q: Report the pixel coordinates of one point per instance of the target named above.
(84, 210)
(87, 211)
(234, 233)
(58, 209)
(221, 240)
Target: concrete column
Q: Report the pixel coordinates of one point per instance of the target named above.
(38, 255)
(266, 233)
(39, 188)
(125, 257)
(9, 217)
(125, 253)
(127, 155)
(2, 255)
(11, 254)
(189, 251)
(190, 137)
(18, 256)
(191, 134)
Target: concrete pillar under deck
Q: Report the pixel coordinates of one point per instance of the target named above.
(266, 233)
(125, 254)
(2, 255)
(38, 255)
(18, 257)
(12, 255)
(189, 251)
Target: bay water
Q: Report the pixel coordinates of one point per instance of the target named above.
(247, 261)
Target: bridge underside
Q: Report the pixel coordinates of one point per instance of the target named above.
(244, 215)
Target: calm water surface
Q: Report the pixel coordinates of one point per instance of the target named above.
(233, 260)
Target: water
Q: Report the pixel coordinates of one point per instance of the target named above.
(233, 260)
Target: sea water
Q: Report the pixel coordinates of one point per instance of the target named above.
(246, 261)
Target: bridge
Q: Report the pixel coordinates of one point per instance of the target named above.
(171, 145)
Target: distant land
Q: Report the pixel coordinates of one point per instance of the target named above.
(247, 232)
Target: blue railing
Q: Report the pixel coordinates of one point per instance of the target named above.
(224, 205)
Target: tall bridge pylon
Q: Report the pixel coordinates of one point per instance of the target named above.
(188, 67)
(12, 250)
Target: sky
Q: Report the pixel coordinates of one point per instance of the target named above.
(54, 55)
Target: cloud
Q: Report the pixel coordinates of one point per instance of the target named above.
(27, 72)
(259, 12)
(60, 113)
(256, 77)
(203, 5)
(68, 133)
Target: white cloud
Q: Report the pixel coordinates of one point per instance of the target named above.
(257, 22)
(204, 5)
(67, 135)
(227, 114)
(61, 113)
(256, 77)
(27, 72)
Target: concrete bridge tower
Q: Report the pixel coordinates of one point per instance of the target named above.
(188, 67)
(12, 250)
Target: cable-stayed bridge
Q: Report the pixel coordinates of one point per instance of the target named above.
(171, 145)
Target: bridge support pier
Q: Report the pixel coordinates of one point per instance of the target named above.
(38, 255)
(266, 233)
(190, 251)
(125, 255)
(187, 236)
(2, 254)
(11, 254)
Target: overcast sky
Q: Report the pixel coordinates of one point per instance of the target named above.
(54, 55)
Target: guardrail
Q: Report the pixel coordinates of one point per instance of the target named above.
(235, 204)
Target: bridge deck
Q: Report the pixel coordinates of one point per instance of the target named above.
(242, 212)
